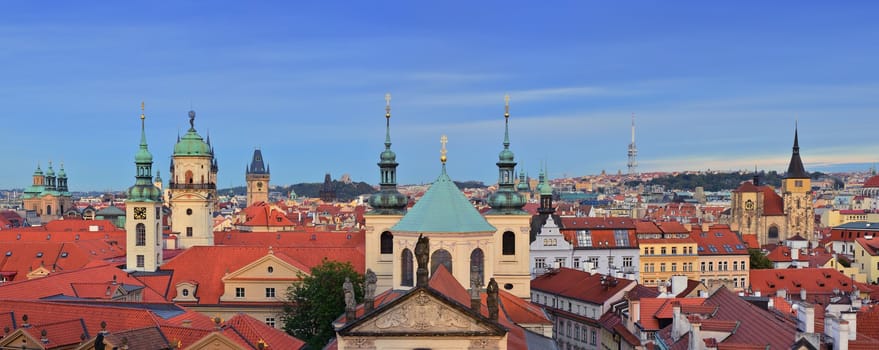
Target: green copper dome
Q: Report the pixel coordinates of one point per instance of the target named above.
(50, 171)
(443, 209)
(38, 171)
(143, 189)
(523, 183)
(192, 144)
(506, 200)
(388, 201)
(388, 156)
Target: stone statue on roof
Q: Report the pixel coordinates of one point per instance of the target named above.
(491, 298)
(422, 256)
(369, 288)
(192, 119)
(350, 303)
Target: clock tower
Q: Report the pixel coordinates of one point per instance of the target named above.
(143, 213)
(257, 178)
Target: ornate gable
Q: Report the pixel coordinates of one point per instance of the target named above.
(269, 266)
(422, 312)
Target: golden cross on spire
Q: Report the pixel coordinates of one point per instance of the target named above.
(443, 141)
(507, 105)
(142, 109)
(388, 105)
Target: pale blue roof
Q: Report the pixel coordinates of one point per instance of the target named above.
(443, 208)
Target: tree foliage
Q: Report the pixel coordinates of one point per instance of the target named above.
(758, 260)
(316, 300)
(713, 182)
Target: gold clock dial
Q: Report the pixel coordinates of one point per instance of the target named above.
(140, 213)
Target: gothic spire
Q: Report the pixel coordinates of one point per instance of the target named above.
(795, 169)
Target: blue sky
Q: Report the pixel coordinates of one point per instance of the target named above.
(714, 85)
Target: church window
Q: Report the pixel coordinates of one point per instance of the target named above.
(477, 266)
(773, 232)
(440, 257)
(140, 235)
(387, 243)
(48, 210)
(188, 176)
(406, 268)
(509, 243)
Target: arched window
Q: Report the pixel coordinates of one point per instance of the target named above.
(477, 266)
(49, 210)
(406, 268)
(440, 257)
(387, 243)
(773, 232)
(188, 176)
(140, 235)
(509, 243)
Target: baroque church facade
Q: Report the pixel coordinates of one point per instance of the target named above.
(759, 210)
(48, 196)
(470, 246)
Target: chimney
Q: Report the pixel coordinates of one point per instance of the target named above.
(803, 294)
(696, 333)
(677, 323)
(852, 318)
(634, 313)
(840, 342)
(678, 284)
(806, 317)
(795, 254)
(781, 293)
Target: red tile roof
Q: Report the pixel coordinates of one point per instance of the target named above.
(59, 333)
(647, 227)
(747, 186)
(871, 246)
(66, 283)
(757, 327)
(872, 182)
(751, 241)
(255, 331)
(723, 241)
(773, 204)
(579, 285)
(816, 282)
(672, 227)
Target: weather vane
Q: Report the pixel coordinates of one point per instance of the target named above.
(388, 105)
(443, 141)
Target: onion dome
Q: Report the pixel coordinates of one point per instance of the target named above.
(143, 190)
(38, 171)
(388, 200)
(192, 144)
(506, 200)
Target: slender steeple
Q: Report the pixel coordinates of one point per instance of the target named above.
(545, 190)
(388, 200)
(795, 169)
(506, 200)
(143, 190)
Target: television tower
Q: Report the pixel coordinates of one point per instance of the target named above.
(633, 151)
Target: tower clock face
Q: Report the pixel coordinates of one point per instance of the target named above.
(749, 204)
(140, 213)
(259, 185)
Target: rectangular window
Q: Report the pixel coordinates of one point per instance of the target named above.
(540, 263)
(270, 292)
(674, 250)
(627, 261)
(662, 267)
(140, 261)
(239, 292)
(621, 237)
(576, 263)
(561, 261)
(189, 232)
(593, 338)
(662, 250)
(674, 267)
(270, 321)
(584, 238)
(610, 261)
(593, 262)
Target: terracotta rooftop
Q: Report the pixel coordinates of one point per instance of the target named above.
(816, 281)
(579, 285)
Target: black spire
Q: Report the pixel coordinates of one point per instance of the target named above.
(796, 170)
(257, 166)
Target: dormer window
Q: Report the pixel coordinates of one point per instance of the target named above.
(64, 254)
(8, 253)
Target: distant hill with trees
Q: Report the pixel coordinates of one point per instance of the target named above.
(712, 182)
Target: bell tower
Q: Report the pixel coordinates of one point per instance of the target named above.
(796, 188)
(143, 213)
(257, 178)
(192, 189)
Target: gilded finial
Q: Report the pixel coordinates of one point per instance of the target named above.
(443, 141)
(142, 110)
(387, 105)
(507, 105)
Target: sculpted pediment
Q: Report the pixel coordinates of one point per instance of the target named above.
(423, 313)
